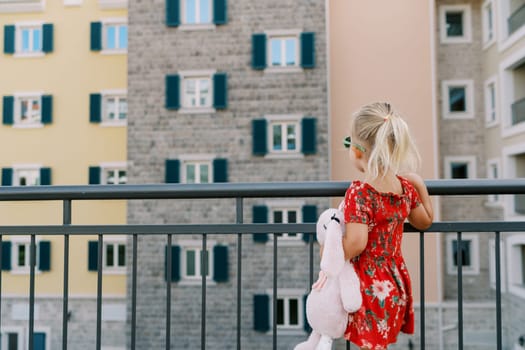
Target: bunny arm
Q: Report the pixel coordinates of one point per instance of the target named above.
(350, 287)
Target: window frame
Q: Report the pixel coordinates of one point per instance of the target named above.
(117, 94)
(283, 34)
(196, 74)
(287, 294)
(494, 199)
(489, 120)
(469, 160)
(20, 331)
(19, 26)
(469, 99)
(288, 205)
(474, 267)
(17, 112)
(514, 269)
(25, 167)
(197, 25)
(116, 21)
(467, 24)
(195, 159)
(114, 241)
(24, 240)
(487, 27)
(272, 120)
(196, 245)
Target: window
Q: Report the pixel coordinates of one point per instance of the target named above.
(28, 110)
(455, 24)
(290, 309)
(197, 92)
(29, 176)
(493, 172)
(21, 255)
(114, 256)
(460, 167)
(285, 212)
(115, 176)
(488, 23)
(468, 251)
(283, 51)
(192, 266)
(197, 11)
(115, 109)
(29, 39)
(284, 137)
(490, 102)
(197, 172)
(11, 339)
(457, 99)
(516, 264)
(115, 37)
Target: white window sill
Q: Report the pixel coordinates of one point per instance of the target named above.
(71, 3)
(458, 116)
(296, 330)
(14, 8)
(114, 52)
(513, 130)
(29, 54)
(467, 271)
(196, 110)
(196, 282)
(287, 242)
(491, 124)
(111, 124)
(113, 4)
(284, 155)
(490, 204)
(488, 44)
(24, 271)
(456, 40)
(197, 26)
(28, 126)
(286, 70)
(511, 40)
(113, 271)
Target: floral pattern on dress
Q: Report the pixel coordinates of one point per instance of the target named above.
(385, 283)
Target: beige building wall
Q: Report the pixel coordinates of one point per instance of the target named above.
(70, 145)
(383, 51)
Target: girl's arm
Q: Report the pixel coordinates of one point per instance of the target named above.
(422, 216)
(355, 239)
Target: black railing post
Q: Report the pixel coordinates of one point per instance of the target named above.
(204, 273)
(99, 291)
(66, 220)
(239, 220)
(274, 305)
(168, 292)
(134, 292)
(32, 263)
(499, 341)
(459, 260)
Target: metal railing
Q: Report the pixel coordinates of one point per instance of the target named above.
(240, 191)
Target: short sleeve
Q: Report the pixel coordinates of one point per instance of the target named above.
(356, 208)
(413, 196)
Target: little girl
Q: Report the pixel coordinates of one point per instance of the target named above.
(375, 209)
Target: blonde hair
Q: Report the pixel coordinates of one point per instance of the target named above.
(387, 134)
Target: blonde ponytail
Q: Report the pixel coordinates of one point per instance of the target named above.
(392, 147)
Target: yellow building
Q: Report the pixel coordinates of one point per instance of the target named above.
(63, 81)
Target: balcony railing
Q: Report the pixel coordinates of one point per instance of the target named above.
(240, 192)
(516, 19)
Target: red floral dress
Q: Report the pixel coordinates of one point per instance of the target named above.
(385, 283)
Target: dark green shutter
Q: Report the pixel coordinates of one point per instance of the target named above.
(6, 255)
(172, 13)
(259, 51)
(96, 36)
(8, 112)
(92, 255)
(259, 130)
(308, 126)
(39, 341)
(7, 176)
(94, 175)
(47, 109)
(44, 255)
(172, 92)
(260, 216)
(261, 313)
(45, 176)
(220, 11)
(307, 327)
(175, 263)
(220, 170)
(9, 39)
(95, 108)
(47, 38)
(309, 215)
(220, 91)
(172, 174)
(308, 50)
(220, 263)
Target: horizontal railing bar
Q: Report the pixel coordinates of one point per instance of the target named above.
(242, 190)
(451, 226)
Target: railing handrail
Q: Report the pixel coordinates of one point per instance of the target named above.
(243, 190)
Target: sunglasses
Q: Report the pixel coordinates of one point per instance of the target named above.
(347, 142)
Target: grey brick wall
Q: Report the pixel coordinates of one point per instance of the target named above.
(155, 134)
